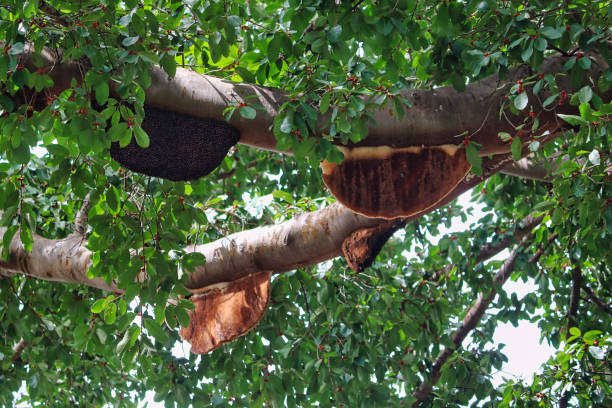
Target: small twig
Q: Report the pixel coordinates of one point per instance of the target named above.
(542, 248)
(53, 14)
(598, 302)
(489, 250)
(81, 218)
(18, 350)
(306, 302)
(574, 298)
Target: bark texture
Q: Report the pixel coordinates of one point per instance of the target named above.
(58, 260)
(436, 117)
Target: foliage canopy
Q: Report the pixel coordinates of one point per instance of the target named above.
(331, 337)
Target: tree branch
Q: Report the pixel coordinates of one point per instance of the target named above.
(436, 116)
(62, 260)
(598, 302)
(527, 168)
(304, 240)
(574, 298)
(470, 321)
(18, 350)
(53, 14)
(524, 227)
(81, 218)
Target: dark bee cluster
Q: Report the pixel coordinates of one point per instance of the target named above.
(182, 147)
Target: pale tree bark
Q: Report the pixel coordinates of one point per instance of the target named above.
(304, 240)
(307, 239)
(436, 117)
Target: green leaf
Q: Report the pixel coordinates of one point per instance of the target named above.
(101, 91)
(16, 48)
(126, 19)
(549, 100)
(471, 152)
(551, 33)
(234, 21)
(168, 63)
(25, 234)
(585, 63)
(521, 100)
(526, 54)
(573, 119)
(574, 331)
(192, 260)
(58, 151)
(538, 87)
(246, 75)
(112, 199)
(516, 148)
(274, 48)
(248, 112)
(6, 240)
(333, 34)
(141, 137)
(6, 102)
(324, 106)
(110, 314)
(594, 157)
(154, 329)
(99, 305)
(182, 317)
(540, 44)
(128, 41)
(398, 108)
(287, 123)
(569, 64)
(585, 94)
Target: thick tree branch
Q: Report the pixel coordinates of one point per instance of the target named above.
(305, 240)
(470, 321)
(62, 260)
(436, 116)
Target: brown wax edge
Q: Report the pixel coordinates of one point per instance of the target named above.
(380, 152)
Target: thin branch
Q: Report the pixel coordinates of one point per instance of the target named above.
(542, 248)
(598, 302)
(18, 350)
(80, 220)
(306, 302)
(53, 14)
(574, 298)
(469, 322)
(524, 227)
